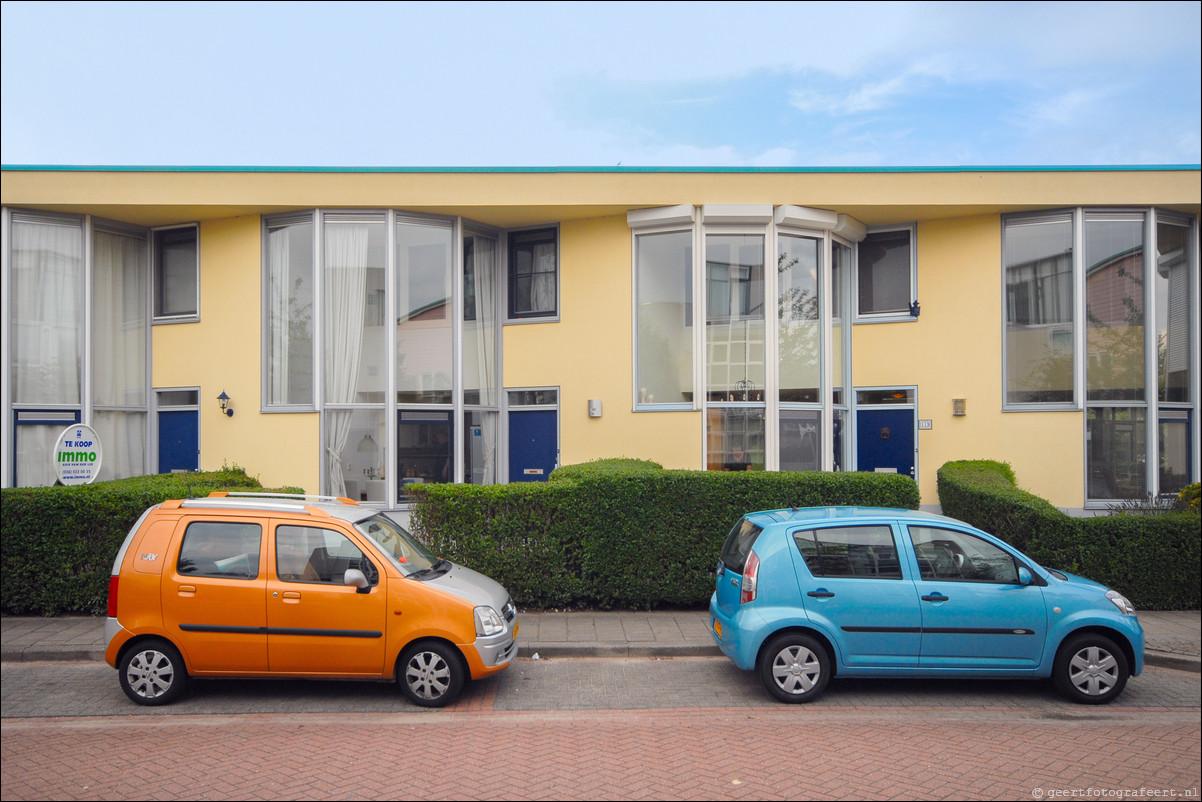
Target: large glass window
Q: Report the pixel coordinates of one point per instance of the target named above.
(46, 308)
(1171, 279)
(664, 301)
(884, 278)
(1114, 307)
(176, 274)
(480, 377)
(798, 264)
(1038, 256)
(734, 321)
(289, 311)
(425, 323)
(735, 439)
(354, 308)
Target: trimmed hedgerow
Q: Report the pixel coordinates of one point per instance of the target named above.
(59, 543)
(1151, 559)
(621, 533)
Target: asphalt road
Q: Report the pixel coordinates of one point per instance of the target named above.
(633, 728)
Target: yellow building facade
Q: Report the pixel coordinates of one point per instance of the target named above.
(371, 329)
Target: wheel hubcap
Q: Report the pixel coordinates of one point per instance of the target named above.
(428, 675)
(1093, 671)
(796, 670)
(150, 674)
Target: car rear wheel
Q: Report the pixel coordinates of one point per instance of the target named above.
(431, 674)
(795, 668)
(1090, 669)
(152, 673)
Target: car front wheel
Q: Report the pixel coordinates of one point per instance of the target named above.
(431, 674)
(1090, 669)
(795, 668)
(152, 673)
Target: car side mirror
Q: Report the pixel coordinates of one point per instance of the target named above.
(354, 576)
(1024, 576)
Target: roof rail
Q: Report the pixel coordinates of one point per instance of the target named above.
(285, 496)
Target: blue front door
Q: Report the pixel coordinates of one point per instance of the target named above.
(533, 444)
(885, 440)
(179, 441)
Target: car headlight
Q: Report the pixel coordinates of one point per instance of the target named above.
(1120, 601)
(488, 622)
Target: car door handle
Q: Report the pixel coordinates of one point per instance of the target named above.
(821, 593)
(935, 597)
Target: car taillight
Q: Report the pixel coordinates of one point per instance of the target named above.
(113, 595)
(750, 572)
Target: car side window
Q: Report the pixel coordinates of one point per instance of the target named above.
(221, 549)
(313, 554)
(945, 554)
(862, 552)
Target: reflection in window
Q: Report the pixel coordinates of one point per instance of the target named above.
(1116, 452)
(798, 264)
(1114, 308)
(1039, 310)
(289, 346)
(1172, 290)
(734, 331)
(800, 440)
(664, 302)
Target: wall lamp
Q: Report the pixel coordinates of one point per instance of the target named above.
(915, 309)
(224, 400)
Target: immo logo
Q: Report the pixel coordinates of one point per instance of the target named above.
(77, 455)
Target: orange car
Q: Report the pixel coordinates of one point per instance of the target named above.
(251, 585)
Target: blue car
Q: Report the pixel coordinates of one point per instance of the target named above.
(806, 594)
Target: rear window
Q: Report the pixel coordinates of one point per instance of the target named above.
(738, 545)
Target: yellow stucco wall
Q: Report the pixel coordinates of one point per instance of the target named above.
(588, 355)
(954, 350)
(222, 352)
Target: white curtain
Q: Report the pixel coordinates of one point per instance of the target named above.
(542, 287)
(480, 334)
(119, 320)
(123, 437)
(277, 335)
(47, 310)
(345, 296)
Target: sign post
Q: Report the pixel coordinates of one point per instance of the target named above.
(77, 455)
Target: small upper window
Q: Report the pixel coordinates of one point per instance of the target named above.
(533, 274)
(176, 274)
(885, 276)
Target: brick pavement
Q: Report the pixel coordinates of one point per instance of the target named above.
(782, 752)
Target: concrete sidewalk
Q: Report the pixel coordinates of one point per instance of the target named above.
(1172, 639)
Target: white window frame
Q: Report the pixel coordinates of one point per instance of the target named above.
(886, 317)
(189, 317)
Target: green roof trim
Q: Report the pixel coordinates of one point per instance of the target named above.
(92, 168)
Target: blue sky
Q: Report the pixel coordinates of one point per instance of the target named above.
(599, 84)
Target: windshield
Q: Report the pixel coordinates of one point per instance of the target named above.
(401, 548)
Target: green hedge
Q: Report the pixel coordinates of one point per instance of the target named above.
(1151, 559)
(619, 533)
(59, 543)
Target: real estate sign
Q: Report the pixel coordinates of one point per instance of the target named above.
(77, 455)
